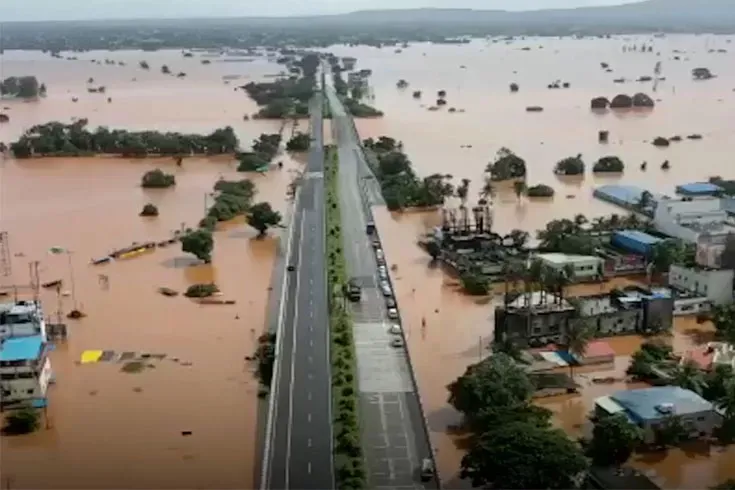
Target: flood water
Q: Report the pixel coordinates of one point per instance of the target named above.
(476, 78)
(112, 429)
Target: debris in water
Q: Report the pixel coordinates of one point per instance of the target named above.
(185, 432)
(168, 291)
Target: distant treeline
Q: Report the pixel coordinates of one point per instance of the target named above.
(372, 27)
(56, 139)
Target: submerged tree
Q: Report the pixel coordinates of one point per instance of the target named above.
(199, 243)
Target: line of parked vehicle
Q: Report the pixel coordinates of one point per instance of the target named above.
(390, 300)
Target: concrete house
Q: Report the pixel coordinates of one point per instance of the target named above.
(702, 286)
(21, 319)
(689, 219)
(648, 408)
(25, 370)
(586, 267)
(538, 319)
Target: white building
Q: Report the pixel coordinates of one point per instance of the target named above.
(649, 407)
(25, 370)
(21, 319)
(713, 284)
(690, 218)
(585, 266)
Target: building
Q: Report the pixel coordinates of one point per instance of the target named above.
(712, 284)
(649, 407)
(689, 218)
(586, 267)
(25, 370)
(624, 478)
(542, 318)
(635, 242)
(21, 319)
(699, 189)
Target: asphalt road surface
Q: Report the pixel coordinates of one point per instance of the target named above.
(300, 449)
(394, 438)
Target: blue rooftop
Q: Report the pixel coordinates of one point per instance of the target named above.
(641, 405)
(698, 188)
(640, 237)
(21, 348)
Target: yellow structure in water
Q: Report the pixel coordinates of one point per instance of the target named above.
(91, 356)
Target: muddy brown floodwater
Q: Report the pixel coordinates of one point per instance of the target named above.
(110, 429)
(476, 78)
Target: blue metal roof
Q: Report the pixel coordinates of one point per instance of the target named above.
(641, 404)
(698, 188)
(21, 348)
(640, 236)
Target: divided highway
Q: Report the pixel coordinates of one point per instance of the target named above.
(298, 447)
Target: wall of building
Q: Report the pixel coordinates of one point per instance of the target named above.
(700, 425)
(618, 323)
(672, 216)
(715, 285)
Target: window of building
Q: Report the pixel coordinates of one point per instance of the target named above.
(701, 419)
(30, 392)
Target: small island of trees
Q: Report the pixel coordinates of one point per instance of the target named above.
(264, 149)
(149, 210)
(26, 87)
(608, 164)
(56, 139)
(540, 190)
(288, 97)
(299, 142)
(400, 186)
(570, 166)
(506, 166)
(157, 179)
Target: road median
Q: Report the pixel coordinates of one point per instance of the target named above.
(349, 462)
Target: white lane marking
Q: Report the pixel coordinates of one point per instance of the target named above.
(311, 343)
(309, 418)
(309, 468)
(310, 360)
(273, 402)
(309, 442)
(293, 360)
(310, 396)
(311, 376)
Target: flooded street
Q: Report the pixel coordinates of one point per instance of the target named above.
(110, 429)
(459, 328)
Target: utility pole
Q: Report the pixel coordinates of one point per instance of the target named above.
(5, 262)
(71, 279)
(35, 279)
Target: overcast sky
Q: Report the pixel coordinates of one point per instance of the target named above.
(19, 10)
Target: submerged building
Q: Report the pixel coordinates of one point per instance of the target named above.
(541, 318)
(25, 370)
(22, 319)
(649, 407)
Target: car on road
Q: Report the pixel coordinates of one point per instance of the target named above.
(393, 313)
(376, 243)
(379, 253)
(395, 329)
(387, 292)
(390, 302)
(396, 342)
(290, 268)
(383, 272)
(427, 469)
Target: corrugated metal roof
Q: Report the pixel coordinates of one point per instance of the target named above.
(21, 348)
(642, 404)
(639, 236)
(609, 405)
(698, 188)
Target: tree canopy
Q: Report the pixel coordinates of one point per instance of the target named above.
(157, 178)
(506, 166)
(261, 216)
(59, 139)
(25, 87)
(199, 243)
(519, 455)
(299, 142)
(614, 439)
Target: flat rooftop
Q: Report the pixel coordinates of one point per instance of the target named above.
(639, 236)
(21, 348)
(643, 404)
(698, 188)
(562, 259)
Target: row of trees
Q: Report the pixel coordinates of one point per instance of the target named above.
(26, 87)
(287, 97)
(231, 199)
(299, 142)
(400, 186)
(264, 149)
(348, 455)
(351, 96)
(75, 139)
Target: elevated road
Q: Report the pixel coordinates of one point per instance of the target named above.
(394, 437)
(298, 447)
